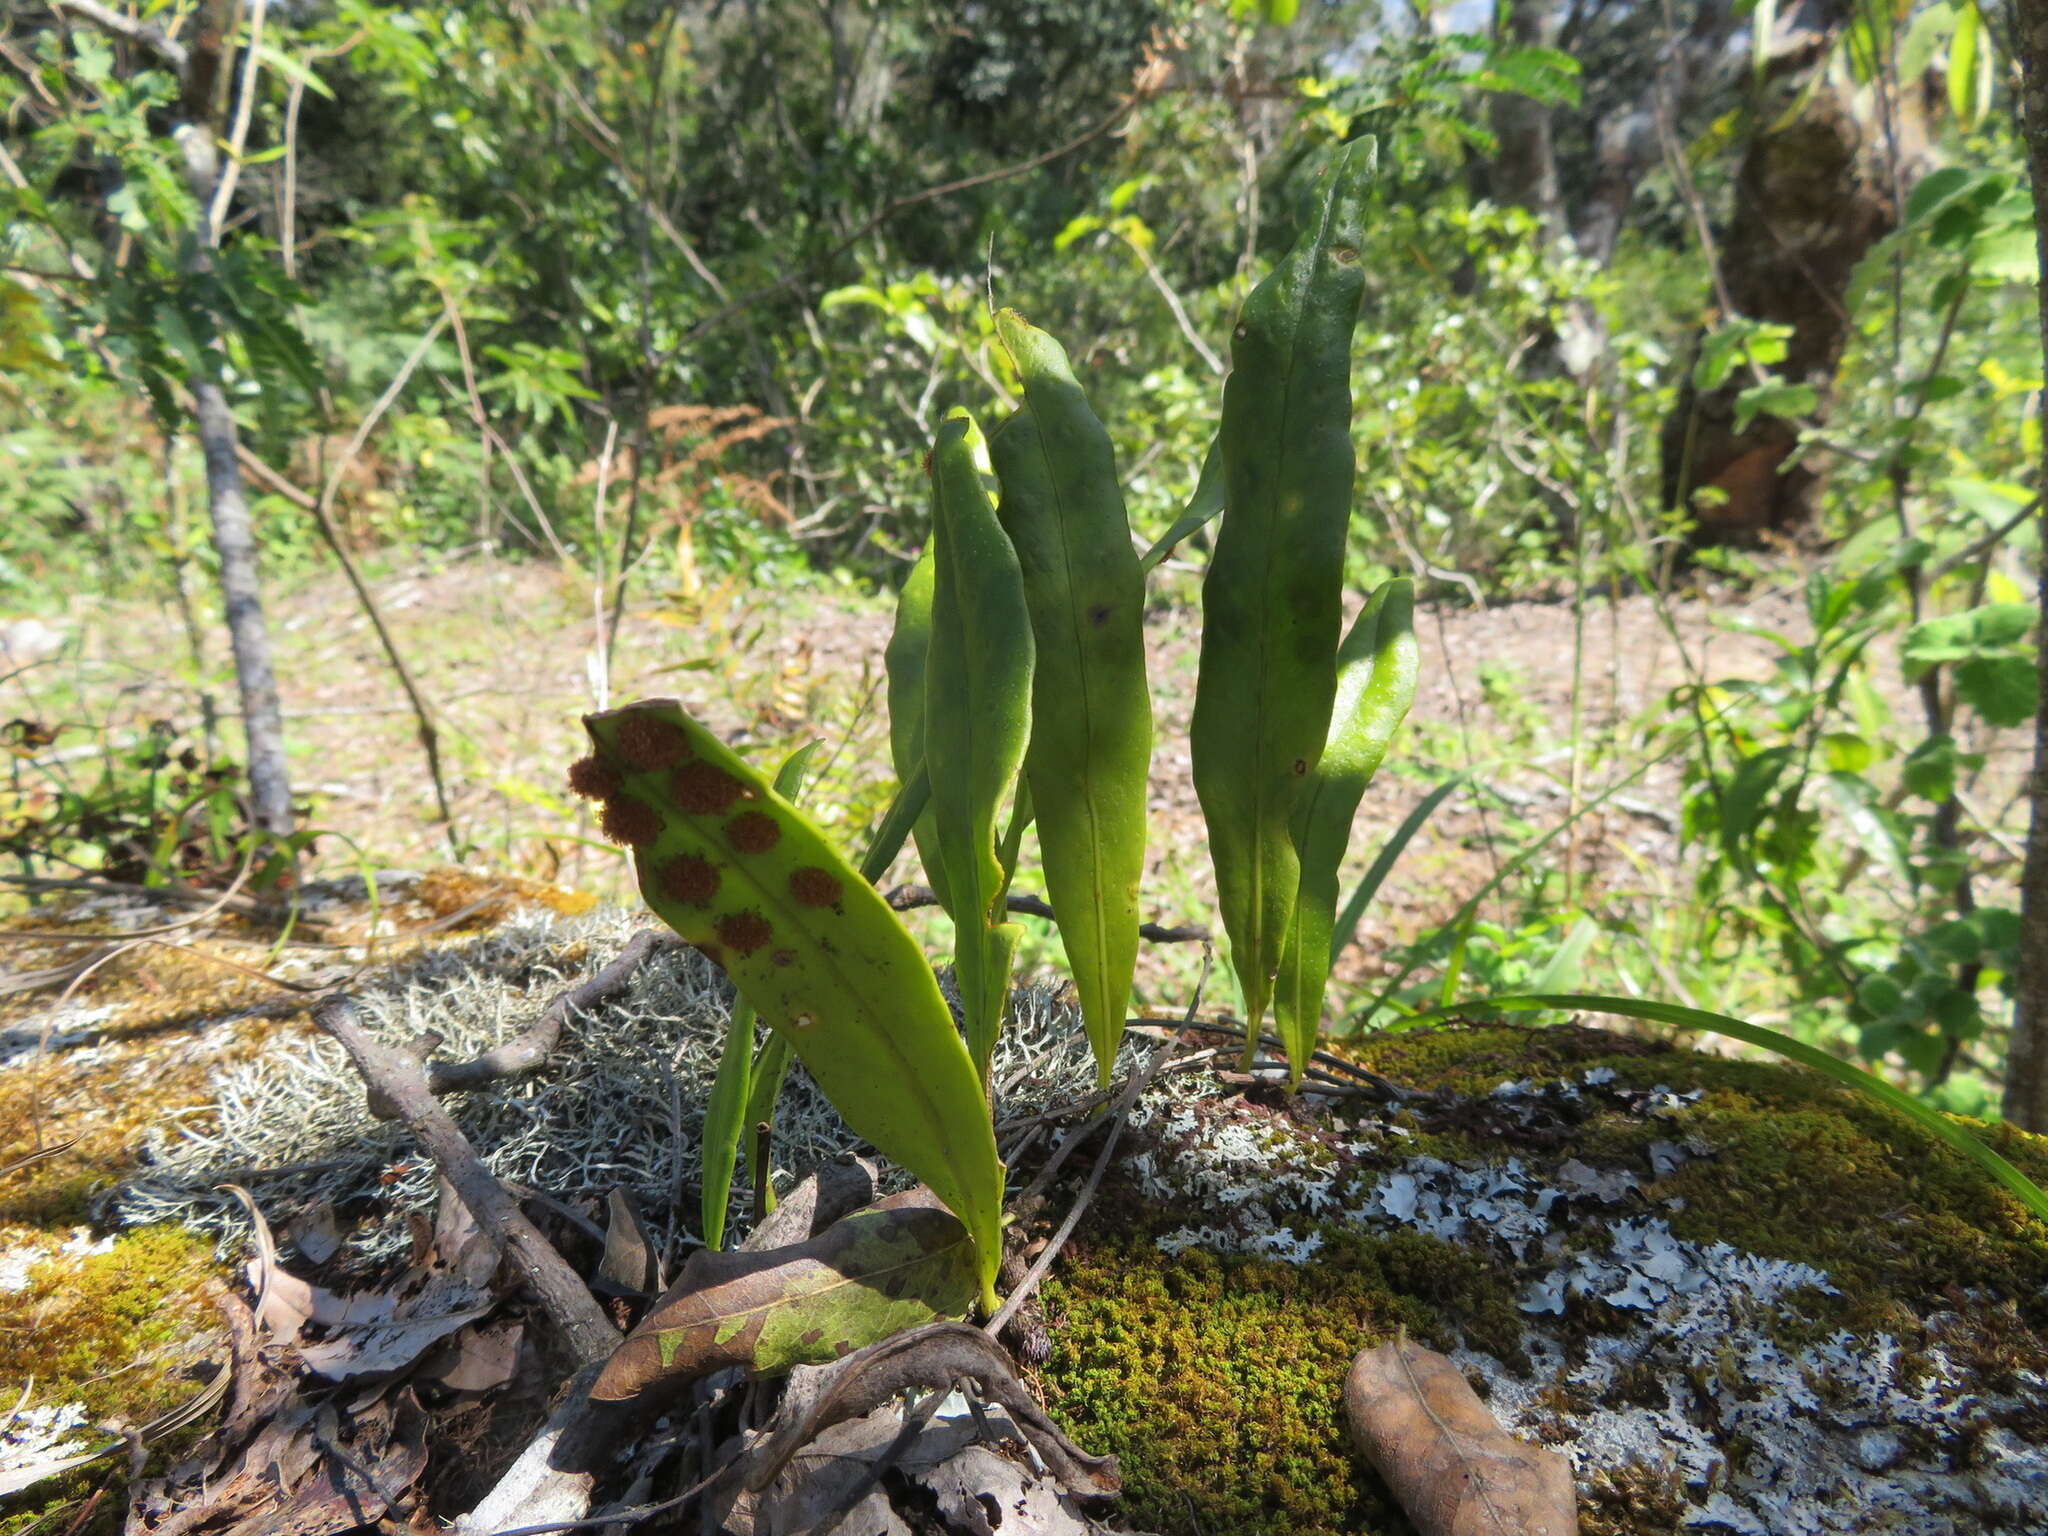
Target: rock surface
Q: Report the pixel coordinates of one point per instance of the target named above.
(1739, 1298)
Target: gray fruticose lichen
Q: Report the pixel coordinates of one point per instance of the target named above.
(620, 1105)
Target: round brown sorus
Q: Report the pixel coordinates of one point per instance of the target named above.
(593, 778)
(703, 789)
(629, 821)
(689, 879)
(646, 740)
(815, 887)
(753, 832)
(744, 932)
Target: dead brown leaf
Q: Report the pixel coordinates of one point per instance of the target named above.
(1447, 1461)
(310, 1471)
(902, 1262)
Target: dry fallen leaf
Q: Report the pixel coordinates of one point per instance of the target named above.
(904, 1261)
(1447, 1461)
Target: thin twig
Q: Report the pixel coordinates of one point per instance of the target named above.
(397, 1086)
(154, 39)
(323, 513)
(1133, 1090)
(906, 898)
(529, 1051)
(238, 135)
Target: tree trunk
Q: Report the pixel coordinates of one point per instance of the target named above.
(1525, 162)
(2026, 1062)
(1814, 193)
(234, 531)
(234, 540)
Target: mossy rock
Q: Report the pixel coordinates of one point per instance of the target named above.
(1738, 1296)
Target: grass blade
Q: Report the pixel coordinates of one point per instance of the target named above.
(1390, 854)
(2024, 1189)
(1376, 667)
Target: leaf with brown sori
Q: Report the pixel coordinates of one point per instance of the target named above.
(1447, 1461)
(900, 1263)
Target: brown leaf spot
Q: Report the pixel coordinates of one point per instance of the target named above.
(811, 1336)
(593, 778)
(1344, 256)
(703, 789)
(753, 832)
(814, 887)
(1301, 767)
(630, 822)
(689, 879)
(784, 958)
(744, 932)
(648, 741)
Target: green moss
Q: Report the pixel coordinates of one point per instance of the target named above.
(1798, 1168)
(118, 1333)
(1218, 1381)
(1474, 1059)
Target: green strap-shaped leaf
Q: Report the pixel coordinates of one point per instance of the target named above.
(909, 646)
(725, 1108)
(1091, 713)
(1273, 598)
(977, 718)
(1201, 509)
(1376, 668)
(770, 1071)
(742, 874)
(725, 1112)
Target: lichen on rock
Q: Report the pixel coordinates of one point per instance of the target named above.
(1576, 1216)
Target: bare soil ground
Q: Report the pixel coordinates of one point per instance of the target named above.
(507, 655)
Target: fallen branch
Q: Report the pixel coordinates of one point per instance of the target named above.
(906, 898)
(398, 1089)
(529, 1051)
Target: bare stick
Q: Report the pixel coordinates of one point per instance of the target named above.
(1140, 1081)
(906, 898)
(238, 135)
(397, 1084)
(529, 1051)
(152, 38)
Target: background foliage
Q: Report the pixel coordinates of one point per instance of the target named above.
(669, 301)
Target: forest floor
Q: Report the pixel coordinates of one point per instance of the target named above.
(507, 656)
